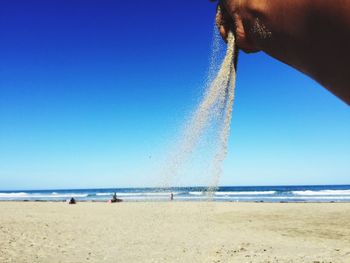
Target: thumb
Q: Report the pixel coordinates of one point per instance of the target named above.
(235, 14)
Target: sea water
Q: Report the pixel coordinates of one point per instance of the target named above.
(315, 193)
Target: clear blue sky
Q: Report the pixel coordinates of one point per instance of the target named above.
(91, 92)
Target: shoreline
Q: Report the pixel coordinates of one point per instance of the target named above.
(267, 194)
(178, 201)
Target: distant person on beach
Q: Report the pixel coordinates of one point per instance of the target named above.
(114, 199)
(72, 201)
(312, 36)
(171, 197)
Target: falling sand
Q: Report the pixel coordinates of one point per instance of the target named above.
(213, 112)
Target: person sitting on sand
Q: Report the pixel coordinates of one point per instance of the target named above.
(72, 201)
(114, 199)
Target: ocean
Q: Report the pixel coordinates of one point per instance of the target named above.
(305, 193)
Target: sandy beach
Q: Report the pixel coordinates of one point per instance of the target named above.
(174, 232)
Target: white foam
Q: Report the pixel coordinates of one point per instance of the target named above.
(37, 195)
(146, 198)
(237, 193)
(161, 193)
(322, 192)
(197, 193)
(104, 194)
(247, 193)
(57, 195)
(285, 198)
(139, 194)
(22, 194)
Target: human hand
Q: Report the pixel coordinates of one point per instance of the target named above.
(311, 36)
(242, 18)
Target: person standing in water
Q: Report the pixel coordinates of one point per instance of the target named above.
(312, 36)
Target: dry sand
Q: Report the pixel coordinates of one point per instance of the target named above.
(174, 232)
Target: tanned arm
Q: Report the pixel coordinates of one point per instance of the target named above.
(312, 36)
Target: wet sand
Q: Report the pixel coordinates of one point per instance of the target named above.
(174, 232)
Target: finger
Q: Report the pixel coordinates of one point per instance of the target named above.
(224, 22)
(223, 32)
(231, 6)
(232, 16)
(228, 18)
(243, 40)
(219, 21)
(218, 17)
